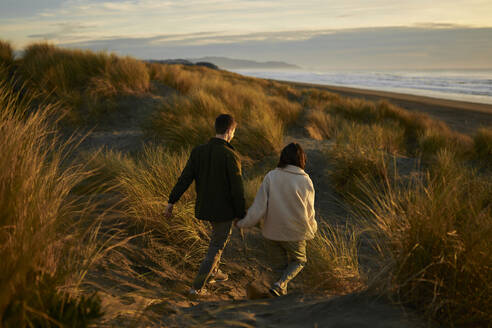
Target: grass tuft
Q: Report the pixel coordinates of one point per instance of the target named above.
(6, 54)
(175, 76)
(321, 125)
(482, 144)
(334, 260)
(144, 183)
(37, 216)
(78, 78)
(434, 233)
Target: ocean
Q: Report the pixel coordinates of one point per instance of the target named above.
(464, 85)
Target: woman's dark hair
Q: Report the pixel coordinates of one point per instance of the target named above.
(292, 154)
(224, 122)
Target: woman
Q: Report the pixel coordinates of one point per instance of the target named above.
(286, 202)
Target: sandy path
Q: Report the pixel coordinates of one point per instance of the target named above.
(297, 310)
(328, 206)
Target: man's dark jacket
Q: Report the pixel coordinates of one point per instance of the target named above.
(216, 169)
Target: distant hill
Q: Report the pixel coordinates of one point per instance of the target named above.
(230, 63)
(184, 62)
(227, 63)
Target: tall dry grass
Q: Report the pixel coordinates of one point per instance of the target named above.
(333, 260)
(175, 76)
(286, 91)
(37, 218)
(482, 146)
(361, 152)
(409, 133)
(83, 81)
(187, 119)
(144, 183)
(6, 54)
(321, 125)
(8, 67)
(183, 121)
(318, 99)
(434, 235)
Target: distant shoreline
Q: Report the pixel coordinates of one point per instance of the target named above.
(462, 116)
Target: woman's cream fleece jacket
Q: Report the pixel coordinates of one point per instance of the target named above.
(286, 202)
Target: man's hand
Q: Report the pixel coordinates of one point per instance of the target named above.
(168, 212)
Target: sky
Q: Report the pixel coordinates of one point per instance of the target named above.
(314, 34)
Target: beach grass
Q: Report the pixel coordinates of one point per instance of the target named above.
(433, 235)
(414, 134)
(334, 260)
(39, 220)
(186, 119)
(145, 184)
(482, 145)
(6, 53)
(84, 82)
(320, 125)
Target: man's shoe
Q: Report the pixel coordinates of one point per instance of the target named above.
(276, 290)
(218, 276)
(197, 292)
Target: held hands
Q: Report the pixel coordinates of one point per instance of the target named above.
(168, 212)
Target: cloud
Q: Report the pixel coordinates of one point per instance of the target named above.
(149, 18)
(439, 25)
(208, 38)
(64, 31)
(388, 47)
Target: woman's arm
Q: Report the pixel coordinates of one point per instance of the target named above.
(310, 203)
(259, 207)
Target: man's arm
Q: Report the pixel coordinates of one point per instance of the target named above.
(236, 185)
(184, 181)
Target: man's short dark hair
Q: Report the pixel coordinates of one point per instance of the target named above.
(292, 154)
(224, 122)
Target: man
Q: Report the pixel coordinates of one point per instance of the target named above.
(216, 169)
